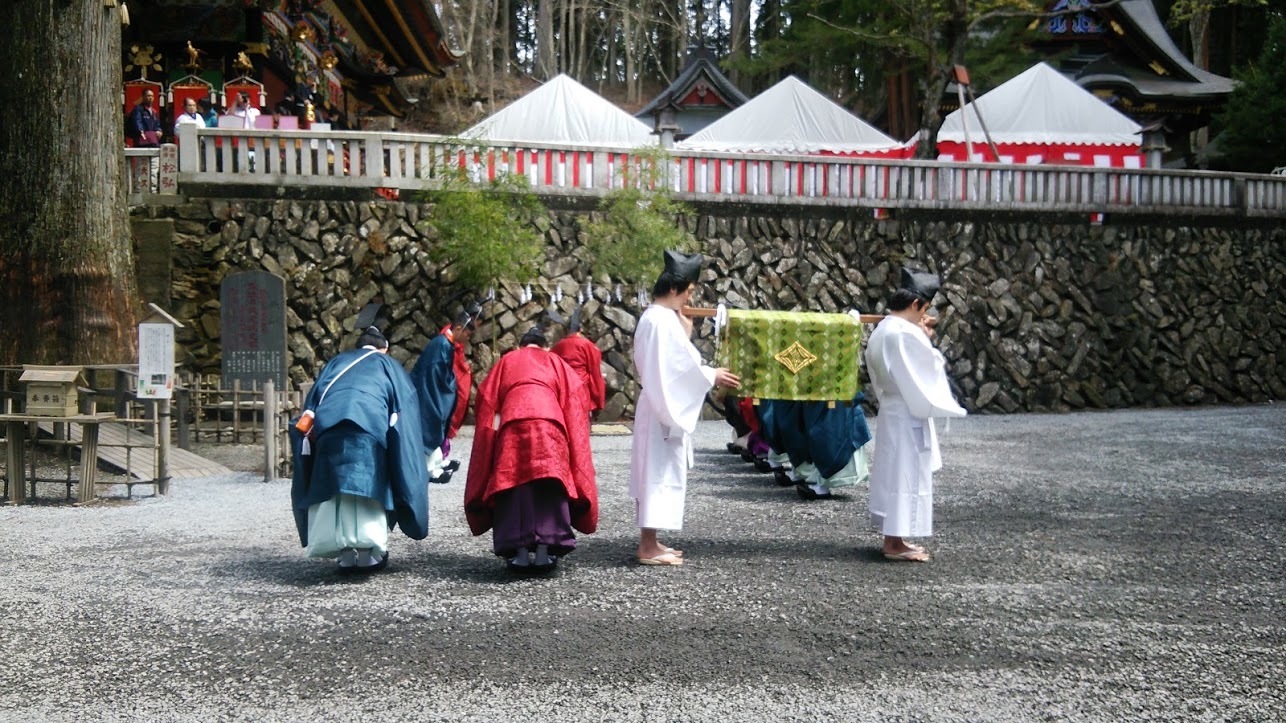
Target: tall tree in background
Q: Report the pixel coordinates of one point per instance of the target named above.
(67, 279)
(1254, 134)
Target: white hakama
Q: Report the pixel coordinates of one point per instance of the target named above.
(675, 383)
(347, 522)
(910, 381)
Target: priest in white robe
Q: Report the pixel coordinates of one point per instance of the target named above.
(910, 381)
(675, 383)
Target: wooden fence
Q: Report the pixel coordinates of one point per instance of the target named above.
(138, 440)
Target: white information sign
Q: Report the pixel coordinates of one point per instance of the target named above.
(155, 360)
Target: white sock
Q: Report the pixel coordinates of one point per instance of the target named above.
(367, 558)
(521, 559)
(542, 555)
(820, 489)
(347, 557)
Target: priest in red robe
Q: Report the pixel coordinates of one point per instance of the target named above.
(584, 357)
(531, 474)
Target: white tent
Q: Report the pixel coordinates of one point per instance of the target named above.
(563, 111)
(790, 117)
(1041, 106)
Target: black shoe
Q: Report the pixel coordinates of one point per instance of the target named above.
(747, 456)
(782, 478)
(452, 466)
(806, 492)
(732, 447)
(443, 478)
(763, 465)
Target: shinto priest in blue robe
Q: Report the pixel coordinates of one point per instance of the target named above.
(360, 470)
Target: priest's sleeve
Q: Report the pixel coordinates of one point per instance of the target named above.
(407, 474)
(672, 373)
(919, 372)
(481, 458)
(580, 456)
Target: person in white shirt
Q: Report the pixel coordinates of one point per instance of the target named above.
(243, 110)
(190, 116)
(910, 381)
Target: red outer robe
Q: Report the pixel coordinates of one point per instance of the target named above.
(463, 384)
(543, 432)
(747, 407)
(587, 360)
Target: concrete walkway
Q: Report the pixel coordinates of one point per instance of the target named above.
(1093, 567)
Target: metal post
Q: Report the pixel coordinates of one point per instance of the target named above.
(269, 431)
(163, 446)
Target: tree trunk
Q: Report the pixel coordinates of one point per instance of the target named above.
(547, 65)
(67, 279)
(952, 37)
(1199, 26)
(739, 36)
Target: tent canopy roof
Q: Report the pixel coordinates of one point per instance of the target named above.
(790, 117)
(563, 111)
(1041, 105)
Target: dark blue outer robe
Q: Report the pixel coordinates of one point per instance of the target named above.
(815, 432)
(366, 396)
(434, 379)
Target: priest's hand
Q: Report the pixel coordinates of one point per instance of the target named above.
(725, 378)
(926, 325)
(686, 321)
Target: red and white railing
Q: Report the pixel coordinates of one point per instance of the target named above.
(407, 161)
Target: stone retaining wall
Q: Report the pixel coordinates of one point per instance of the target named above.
(1036, 316)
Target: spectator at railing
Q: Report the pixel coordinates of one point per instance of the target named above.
(144, 125)
(245, 111)
(210, 112)
(189, 116)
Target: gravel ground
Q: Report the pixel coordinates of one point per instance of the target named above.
(1098, 566)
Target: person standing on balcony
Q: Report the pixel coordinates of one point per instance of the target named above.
(531, 473)
(189, 116)
(243, 110)
(675, 383)
(909, 378)
(443, 381)
(359, 459)
(144, 125)
(585, 358)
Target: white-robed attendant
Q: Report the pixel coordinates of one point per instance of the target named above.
(675, 383)
(909, 378)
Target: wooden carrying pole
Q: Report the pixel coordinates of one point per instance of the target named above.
(695, 311)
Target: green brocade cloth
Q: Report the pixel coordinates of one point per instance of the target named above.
(795, 355)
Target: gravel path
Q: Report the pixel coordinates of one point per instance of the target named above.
(1096, 566)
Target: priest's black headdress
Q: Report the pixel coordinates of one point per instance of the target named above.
(372, 336)
(574, 323)
(683, 266)
(468, 316)
(539, 332)
(920, 283)
(370, 315)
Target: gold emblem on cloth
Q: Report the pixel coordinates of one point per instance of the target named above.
(795, 357)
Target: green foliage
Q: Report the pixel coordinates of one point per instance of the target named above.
(1254, 137)
(639, 222)
(486, 231)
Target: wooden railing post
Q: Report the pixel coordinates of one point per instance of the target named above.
(162, 447)
(270, 431)
(183, 400)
